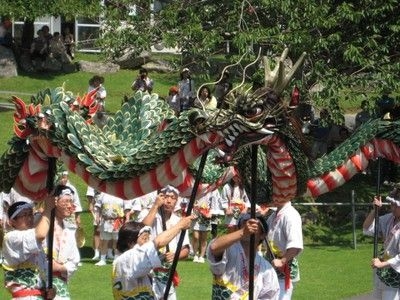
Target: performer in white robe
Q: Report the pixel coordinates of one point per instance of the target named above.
(387, 266)
(132, 270)
(228, 258)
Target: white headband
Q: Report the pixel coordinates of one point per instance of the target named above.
(66, 192)
(170, 189)
(145, 229)
(392, 200)
(20, 208)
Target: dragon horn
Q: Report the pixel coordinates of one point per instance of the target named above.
(279, 78)
(31, 109)
(245, 69)
(20, 108)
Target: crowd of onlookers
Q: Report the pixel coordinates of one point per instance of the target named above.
(46, 45)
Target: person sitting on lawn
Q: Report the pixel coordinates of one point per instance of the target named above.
(138, 257)
(228, 256)
(25, 264)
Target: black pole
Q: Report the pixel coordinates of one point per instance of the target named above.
(252, 251)
(50, 238)
(376, 210)
(51, 172)
(183, 232)
(163, 224)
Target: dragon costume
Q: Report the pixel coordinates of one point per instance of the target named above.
(144, 146)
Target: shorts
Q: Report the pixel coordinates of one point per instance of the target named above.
(108, 236)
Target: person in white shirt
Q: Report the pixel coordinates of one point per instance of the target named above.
(162, 216)
(132, 270)
(228, 256)
(96, 82)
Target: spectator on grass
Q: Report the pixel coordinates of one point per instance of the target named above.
(6, 38)
(160, 217)
(139, 257)
(173, 99)
(387, 264)
(39, 47)
(320, 129)
(143, 82)
(96, 82)
(228, 256)
(46, 34)
(187, 90)
(205, 99)
(57, 49)
(69, 43)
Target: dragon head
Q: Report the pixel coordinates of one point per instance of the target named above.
(250, 117)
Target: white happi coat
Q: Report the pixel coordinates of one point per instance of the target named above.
(132, 272)
(231, 275)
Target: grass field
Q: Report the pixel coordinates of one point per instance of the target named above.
(327, 271)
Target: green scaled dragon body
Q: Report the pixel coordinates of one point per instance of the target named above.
(145, 146)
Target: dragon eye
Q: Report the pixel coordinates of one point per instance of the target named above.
(253, 112)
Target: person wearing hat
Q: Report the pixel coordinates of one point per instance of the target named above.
(143, 82)
(139, 256)
(25, 263)
(228, 256)
(66, 255)
(387, 265)
(284, 242)
(187, 90)
(160, 217)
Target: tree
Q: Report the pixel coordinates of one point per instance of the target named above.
(352, 46)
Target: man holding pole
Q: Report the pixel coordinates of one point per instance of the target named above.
(387, 265)
(228, 256)
(161, 217)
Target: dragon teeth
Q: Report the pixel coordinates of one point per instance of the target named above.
(238, 127)
(228, 142)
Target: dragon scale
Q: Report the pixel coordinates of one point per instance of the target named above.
(33, 174)
(356, 163)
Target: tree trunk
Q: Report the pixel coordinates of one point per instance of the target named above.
(27, 34)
